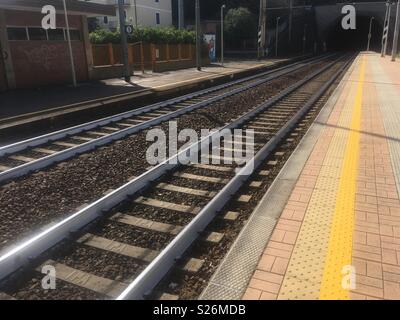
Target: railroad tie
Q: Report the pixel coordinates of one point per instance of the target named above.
(200, 178)
(4, 168)
(212, 237)
(190, 191)
(143, 254)
(5, 296)
(45, 151)
(146, 224)
(244, 198)
(123, 124)
(213, 168)
(145, 118)
(66, 144)
(167, 205)
(98, 133)
(166, 296)
(108, 287)
(231, 216)
(134, 121)
(22, 158)
(110, 128)
(82, 138)
(192, 265)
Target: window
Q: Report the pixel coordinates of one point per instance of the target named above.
(105, 20)
(158, 21)
(37, 34)
(56, 34)
(17, 33)
(75, 34)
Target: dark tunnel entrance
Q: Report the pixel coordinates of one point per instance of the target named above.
(340, 39)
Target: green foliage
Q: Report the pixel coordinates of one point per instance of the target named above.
(240, 24)
(145, 34)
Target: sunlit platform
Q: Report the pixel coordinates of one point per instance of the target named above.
(332, 216)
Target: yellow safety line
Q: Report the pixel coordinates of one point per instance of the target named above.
(339, 254)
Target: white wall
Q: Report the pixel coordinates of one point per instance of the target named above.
(145, 11)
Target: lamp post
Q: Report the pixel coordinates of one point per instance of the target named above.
(396, 32)
(135, 5)
(124, 41)
(369, 33)
(198, 36)
(181, 15)
(71, 57)
(222, 34)
(277, 36)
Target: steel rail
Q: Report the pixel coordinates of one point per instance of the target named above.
(35, 141)
(13, 259)
(155, 271)
(90, 145)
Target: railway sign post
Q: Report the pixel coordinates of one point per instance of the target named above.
(386, 29)
(262, 27)
(129, 29)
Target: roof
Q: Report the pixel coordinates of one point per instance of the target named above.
(73, 6)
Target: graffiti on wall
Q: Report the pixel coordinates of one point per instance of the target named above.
(46, 56)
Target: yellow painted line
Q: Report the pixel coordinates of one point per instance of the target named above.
(339, 253)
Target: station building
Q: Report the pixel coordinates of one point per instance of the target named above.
(31, 56)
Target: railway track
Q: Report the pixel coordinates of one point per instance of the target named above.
(121, 245)
(36, 153)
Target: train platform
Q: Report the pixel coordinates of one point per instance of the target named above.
(20, 107)
(329, 226)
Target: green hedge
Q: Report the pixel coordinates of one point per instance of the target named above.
(145, 34)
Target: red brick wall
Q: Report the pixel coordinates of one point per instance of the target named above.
(43, 62)
(39, 63)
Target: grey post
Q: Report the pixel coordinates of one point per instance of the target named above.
(396, 32)
(277, 36)
(181, 14)
(198, 36)
(369, 33)
(124, 41)
(135, 5)
(71, 56)
(222, 34)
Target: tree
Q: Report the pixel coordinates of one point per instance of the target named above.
(240, 25)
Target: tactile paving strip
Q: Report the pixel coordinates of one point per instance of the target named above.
(339, 252)
(306, 267)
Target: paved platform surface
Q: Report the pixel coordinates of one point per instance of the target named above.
(338, 235)
(18, 102)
